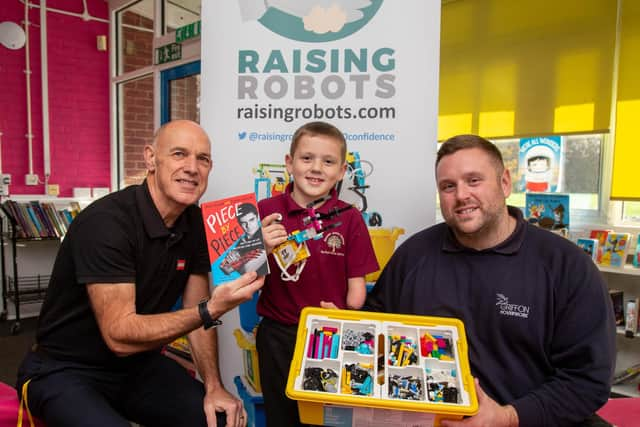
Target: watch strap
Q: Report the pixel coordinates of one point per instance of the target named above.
(207, 321)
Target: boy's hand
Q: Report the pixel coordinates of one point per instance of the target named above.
(273, 232)
(325, 304)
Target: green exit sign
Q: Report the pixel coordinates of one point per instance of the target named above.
(188, 32)
(168, 53)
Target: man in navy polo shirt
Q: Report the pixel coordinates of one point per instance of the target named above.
(121, 267)
(536, 310)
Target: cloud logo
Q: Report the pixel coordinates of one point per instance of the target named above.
(313, 21)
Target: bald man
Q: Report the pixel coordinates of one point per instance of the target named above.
(123, 264)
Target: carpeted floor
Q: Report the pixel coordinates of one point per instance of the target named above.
(14, 347)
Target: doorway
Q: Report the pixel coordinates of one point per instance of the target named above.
(180, 93)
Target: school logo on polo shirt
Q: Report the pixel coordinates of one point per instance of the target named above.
(335, 242)
(180, 264)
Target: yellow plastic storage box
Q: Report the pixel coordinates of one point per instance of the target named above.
(384, 243)
(355, 359)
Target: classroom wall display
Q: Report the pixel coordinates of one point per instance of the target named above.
(370, 69)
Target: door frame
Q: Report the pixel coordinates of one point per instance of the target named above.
(166, 76)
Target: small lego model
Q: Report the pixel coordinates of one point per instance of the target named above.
(295, 251)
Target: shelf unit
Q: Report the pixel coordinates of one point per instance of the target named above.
(627, 278)
(626, 389)
(627, 269)
(15, 288)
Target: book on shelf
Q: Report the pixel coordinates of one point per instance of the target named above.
(601, 235)
(180, 346)
(614, 252)
(35, 219)
(234, 237)
(180, 351)
(590, 246)
(636, 253)
(46, 229)
(548, 210)
(631, 317)
(617, 299)
(540, 161)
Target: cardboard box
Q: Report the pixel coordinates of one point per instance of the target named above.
(354, 359)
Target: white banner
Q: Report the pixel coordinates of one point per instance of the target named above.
(370, 67)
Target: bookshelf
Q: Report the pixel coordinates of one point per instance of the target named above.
(30, 228)
(625, 278)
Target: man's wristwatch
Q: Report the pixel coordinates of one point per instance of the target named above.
(207, 320)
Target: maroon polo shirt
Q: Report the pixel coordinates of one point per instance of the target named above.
(327, 270)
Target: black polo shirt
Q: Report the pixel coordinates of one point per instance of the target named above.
(119, 238)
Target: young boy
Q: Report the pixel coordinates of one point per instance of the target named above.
(333, 274)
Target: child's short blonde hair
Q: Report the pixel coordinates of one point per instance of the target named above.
(319, 128)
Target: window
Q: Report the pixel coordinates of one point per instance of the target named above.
(134, 25)
(141, 101)
(631, 212)
(135, 128)
(178, 13)
(579, 174)
(579, 171)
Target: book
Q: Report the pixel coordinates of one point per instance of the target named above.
(631, 317)
(548, 210)
(47, 227)
(234, 237)
(601, 235)
(617, 299)
(12, 210)
(540, 164)
(636, 253)
(614, 252)
(590, 246)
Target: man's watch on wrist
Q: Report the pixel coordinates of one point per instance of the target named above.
(207, 321)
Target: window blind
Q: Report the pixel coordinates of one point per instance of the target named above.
(626, 157)
(526, 68)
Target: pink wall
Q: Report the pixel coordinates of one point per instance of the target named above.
(78, 99)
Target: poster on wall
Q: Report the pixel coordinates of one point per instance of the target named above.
(369, 67)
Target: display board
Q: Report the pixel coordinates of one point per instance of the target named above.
(372, 70)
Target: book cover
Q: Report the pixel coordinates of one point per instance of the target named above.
(617, 299)
(47, 227)
(547, 210)
(39, 229)
(234, 237)
(601, 235)
(631, 317)
(590, 246)
(614, 252)
(636, 253)
(13, 211)
(540, 164)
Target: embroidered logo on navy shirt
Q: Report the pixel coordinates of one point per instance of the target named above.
(335, 242)
(514, 310)
(180, 264)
